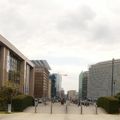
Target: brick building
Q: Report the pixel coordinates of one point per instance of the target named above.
(41, 78)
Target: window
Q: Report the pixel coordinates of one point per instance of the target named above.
(14, 69)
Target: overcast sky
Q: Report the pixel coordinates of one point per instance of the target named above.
(70, 34)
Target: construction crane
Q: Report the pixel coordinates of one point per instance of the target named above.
(63, 74)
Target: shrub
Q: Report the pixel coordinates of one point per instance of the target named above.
(118, 97)
(110, 104)
(118, 94)
(20, 102)
(6, 94)
(3, 105)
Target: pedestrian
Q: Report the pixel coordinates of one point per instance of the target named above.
(62, 101)
(78, 103)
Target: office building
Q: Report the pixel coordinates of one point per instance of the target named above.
(104, 79)
(83, 79)
(62, 93)
(49, 88)
(41, 78)
(15, 68)
(58, 79)
(56, 84)
(72, 95)
(53, 85)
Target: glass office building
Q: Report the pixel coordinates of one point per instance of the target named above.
(83, 79)
(15, 68)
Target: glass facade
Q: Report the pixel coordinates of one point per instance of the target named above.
(14, 71)
(83, 78)
(80, 85)
(14, 68)
(53, 85)
(26, 82)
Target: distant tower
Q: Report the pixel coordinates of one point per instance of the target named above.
(62, 93)
(58, 79)
(53, 85)
(83, 79)
(56, 84)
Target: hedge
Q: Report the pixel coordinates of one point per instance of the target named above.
(110, 104)
(20, 102)
(118, 97)
(118, 94)
(3, 105)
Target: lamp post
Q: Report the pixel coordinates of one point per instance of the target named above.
(114, 87)
(112, 80)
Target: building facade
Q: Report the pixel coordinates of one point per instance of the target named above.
(49, 88)
(72, 95)
(62, 93)
(83, 79)
(58, 79)
(104, 79)
(53, 85)
(56, 85)
(15, 68)
(41, 78)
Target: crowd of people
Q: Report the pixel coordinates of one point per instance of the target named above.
(62, 101)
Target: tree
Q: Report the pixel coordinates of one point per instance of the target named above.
(8, 91)
(6, 94)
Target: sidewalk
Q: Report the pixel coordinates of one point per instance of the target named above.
(59, 113)
(38, 116)
(57, 108)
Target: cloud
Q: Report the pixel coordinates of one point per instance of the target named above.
(105, 32)
(86, 24)
(70, 34)
(102, 33)
(78, 20)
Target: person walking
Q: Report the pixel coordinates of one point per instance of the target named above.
(62, 101)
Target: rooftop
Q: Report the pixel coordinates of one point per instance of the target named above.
(5, 42)
(41, 63)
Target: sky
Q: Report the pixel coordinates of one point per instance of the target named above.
(70, 34)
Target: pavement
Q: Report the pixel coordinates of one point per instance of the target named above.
(37, 116)
(57, 108)
(59, 113)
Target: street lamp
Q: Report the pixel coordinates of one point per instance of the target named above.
(114, 87)
(112, 80)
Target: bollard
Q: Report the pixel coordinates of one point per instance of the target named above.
(81, 109)
(9, 108)
(96, 109)
(35, 109)
(66, 109)
(36, 103)
(51, 108)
